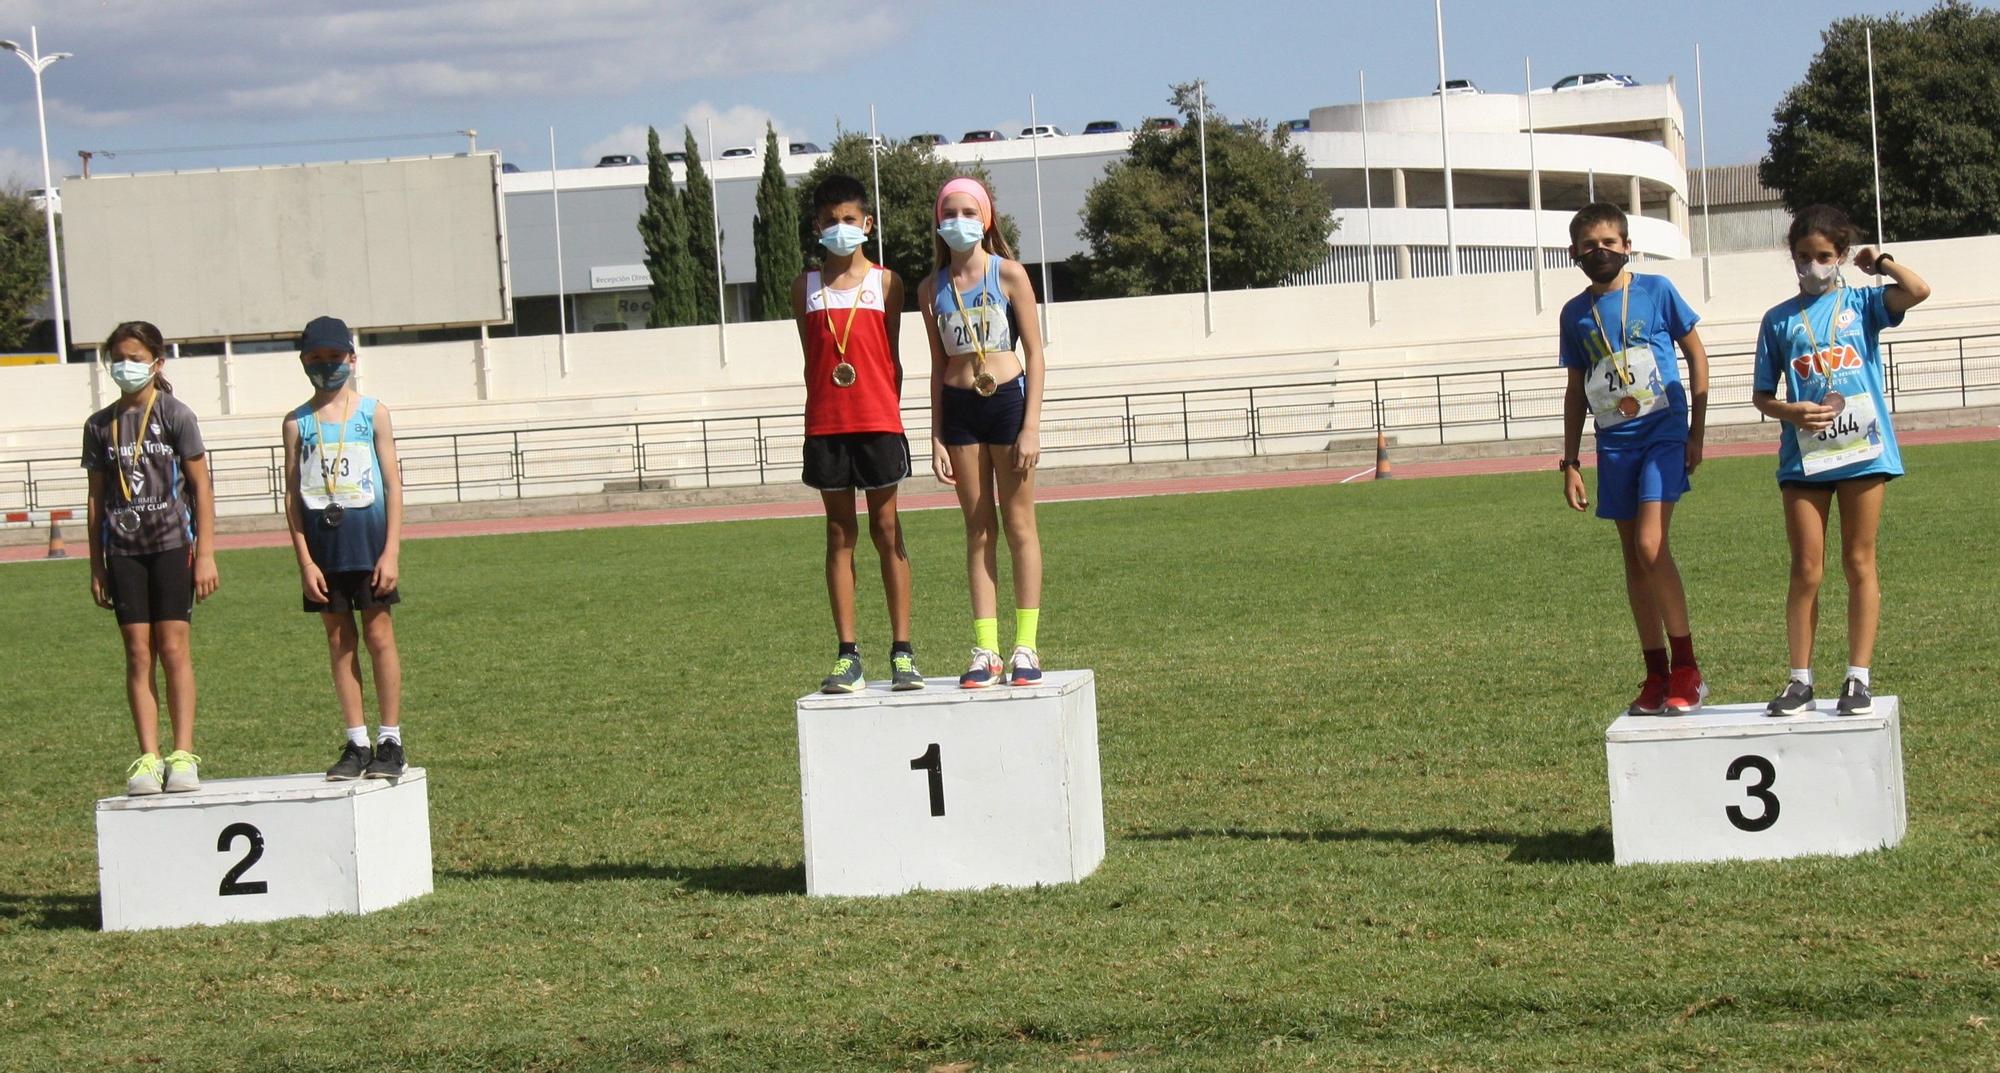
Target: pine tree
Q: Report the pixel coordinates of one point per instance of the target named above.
(775, 231)
(663, 231)
(703, 235)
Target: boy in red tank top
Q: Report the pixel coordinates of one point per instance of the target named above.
(847, 311)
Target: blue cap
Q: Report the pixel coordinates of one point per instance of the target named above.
(326, 333)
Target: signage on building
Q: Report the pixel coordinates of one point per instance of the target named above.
(618, 277)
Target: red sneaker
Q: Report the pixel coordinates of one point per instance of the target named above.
(1685, 691)
(1652, 699)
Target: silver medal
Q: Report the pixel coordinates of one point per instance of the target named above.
(333, 514)
(126, 521)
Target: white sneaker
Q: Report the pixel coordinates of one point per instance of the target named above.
(143, 777)
(1024, 668)
(182, 774)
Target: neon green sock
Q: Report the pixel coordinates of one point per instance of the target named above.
(1026, 621)
(986, 633)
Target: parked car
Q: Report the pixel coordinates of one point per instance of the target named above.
(982, 136)
(1598, 80)
(1162, 123)
(508, 167)
(1455, 86)
(1300, 125)
(1042, 131)
(677, 157)
(1104, 126)
(929, 139)
(875, 141)
(738, 152)
(618, 160)
(804, 149)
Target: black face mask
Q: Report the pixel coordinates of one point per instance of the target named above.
(1602, 265)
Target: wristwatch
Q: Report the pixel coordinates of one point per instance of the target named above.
(1568, 464)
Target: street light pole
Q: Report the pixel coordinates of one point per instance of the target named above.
(38, 63)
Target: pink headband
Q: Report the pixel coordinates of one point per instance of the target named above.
(963, 185)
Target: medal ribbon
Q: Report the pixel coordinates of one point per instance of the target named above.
(138, 442)
(1812, 338)
(840, 337)
(1616, 353)
(340, 445)
(964, 316)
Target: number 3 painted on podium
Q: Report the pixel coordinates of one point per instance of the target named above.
(1761, 790)
(933, 762)
(232, 879)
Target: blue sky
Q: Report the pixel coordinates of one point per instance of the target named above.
(200, 73)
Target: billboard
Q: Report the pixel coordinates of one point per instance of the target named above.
(257, 252)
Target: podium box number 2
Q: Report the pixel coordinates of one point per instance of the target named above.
(951, 789)
(263, 849)
(1731, 783)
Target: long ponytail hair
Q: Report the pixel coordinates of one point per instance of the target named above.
(146, 335)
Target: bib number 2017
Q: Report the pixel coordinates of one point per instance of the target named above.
(1767, 776)
(232, 880)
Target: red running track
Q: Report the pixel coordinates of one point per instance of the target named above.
(809, 508)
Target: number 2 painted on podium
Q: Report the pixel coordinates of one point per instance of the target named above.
(1761, 790)
(232, 880)
(932, 762)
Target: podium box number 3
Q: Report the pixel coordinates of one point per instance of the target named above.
(951, 789)
(263, 849)
(1731, 783)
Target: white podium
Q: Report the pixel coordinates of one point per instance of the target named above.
(1731, 783)
(263, 849)
(951, 789)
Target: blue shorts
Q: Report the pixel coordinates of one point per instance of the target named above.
(970, 417)
(1648, 473)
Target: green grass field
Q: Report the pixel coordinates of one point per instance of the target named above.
(1354, 792)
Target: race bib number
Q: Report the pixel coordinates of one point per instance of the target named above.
(1613, 398)
(348, 471)
(989, 321)
(1855, 436)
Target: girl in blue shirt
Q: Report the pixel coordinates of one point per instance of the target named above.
(1838, 442)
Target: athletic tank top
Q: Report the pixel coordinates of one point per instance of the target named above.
(338, 465)
(873, 402)
(987, 312)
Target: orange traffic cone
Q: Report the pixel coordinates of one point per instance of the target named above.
(1382, 457)
(55, 536)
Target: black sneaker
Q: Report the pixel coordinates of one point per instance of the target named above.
(1797, 699)
(1855, 699)
(388, 762)
(353, 763)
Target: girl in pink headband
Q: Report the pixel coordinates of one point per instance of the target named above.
(986, 417)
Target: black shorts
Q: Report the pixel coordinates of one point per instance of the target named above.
(970, 417)
(1808, 485)
(349, 591)
(152, 588)
(862, 460)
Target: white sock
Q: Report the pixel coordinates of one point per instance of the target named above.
(394, 733)
(1803, 676)
(358, 735)
(1860, 674)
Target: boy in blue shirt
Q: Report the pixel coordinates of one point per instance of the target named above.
(1617, 340)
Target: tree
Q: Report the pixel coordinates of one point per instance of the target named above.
(775, 233)
(24, 267)
(911, 177)
(663, 231)
(704, 234)
(1142, 220)
(1937, 94)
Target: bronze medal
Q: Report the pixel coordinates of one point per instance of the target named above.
(1834, 400)
(843, 375)
(333, 515)
(984, 383)
(1628, 406)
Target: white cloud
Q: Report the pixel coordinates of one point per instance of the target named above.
(740, 125)
(20, 170)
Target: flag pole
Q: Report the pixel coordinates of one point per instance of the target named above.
(1874, 143)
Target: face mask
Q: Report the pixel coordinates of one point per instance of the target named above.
(1602, 265)
(1816, 278)
(842, 239)
(961, 233)
(329, 375)
(131, 376)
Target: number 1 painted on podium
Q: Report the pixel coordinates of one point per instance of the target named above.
(933, 763)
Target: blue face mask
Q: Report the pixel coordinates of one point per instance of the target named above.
(329, 375)
(131, 376)
(842, 239)
(962, 233)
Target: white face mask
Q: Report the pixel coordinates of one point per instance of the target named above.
(1816, 278)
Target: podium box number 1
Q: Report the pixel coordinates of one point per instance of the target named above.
(951, 789)
(1731, 783)
(263, 849)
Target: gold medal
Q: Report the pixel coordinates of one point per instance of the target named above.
(984, 383)
(843, 375)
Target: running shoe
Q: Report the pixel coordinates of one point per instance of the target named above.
(1797, 699)
(353, 763)
(906, 676)
(1685, 691)
(1652, 698)
(182, 774)
(1024, 668)
(1855, 699)
(142, 779)
(388, 761)
(985, 670)
(846, 676)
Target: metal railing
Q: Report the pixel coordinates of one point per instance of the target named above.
(1144, 426)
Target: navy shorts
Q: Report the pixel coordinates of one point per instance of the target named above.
(970, 417)
(1647, 473)
(348, 591)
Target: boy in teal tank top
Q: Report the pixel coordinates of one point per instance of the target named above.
(344, 509)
